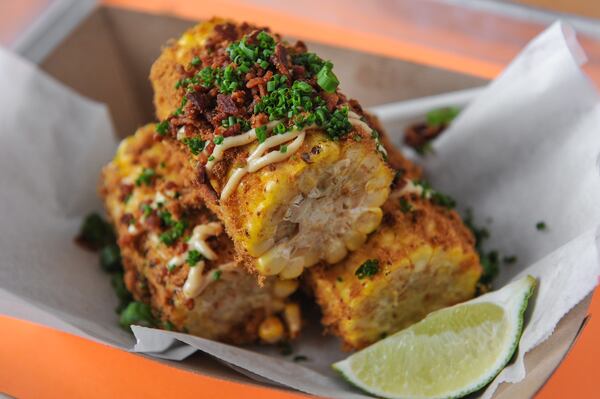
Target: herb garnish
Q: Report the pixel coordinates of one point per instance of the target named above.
(194, 257)
(162, 128)
(441, 116)
(443, 200)
(195, 144)
(170, 236)
(541, 226)
(261, 133)
(405, 206)
(145, 177)
(368, 269)
(216, 275)
(137, 313)
(95, 233)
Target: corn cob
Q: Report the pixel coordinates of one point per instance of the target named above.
(421, 258)
(177, 257)
(291, 188)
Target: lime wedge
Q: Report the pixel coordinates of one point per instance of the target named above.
(450, 353)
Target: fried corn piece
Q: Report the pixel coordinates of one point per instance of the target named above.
(421, 258)
(177, 256)
(293, 169)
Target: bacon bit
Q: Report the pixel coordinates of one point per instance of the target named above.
(189, 304)
(298, 71)
(163, 274)
(127, 218)
(355, 106)
(210, 147)
(315, 150)
(181, 247)
(126, 190)
(226, 31)
(388, 219)
(417, 135)
(254, 82)
(232, 130)
(170, 185)
(153, 221)
(331, 99)
(201, 101)
(226, 105)
(259, 119)
(280, 59)
(239, 97)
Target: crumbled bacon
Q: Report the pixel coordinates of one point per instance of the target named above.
(226, 104)
(331, 99)
(127, 218)
(279, 59)
(201, 101)
(126, 190)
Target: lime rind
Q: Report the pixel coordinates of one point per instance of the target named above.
(513, 299)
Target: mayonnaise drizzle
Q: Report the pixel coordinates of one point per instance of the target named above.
(258, 159)
(196, 282)
(234, 141)
(193, 283)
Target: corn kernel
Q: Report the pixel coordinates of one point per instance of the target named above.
(285, 288)
(271, 330)
(293, 319)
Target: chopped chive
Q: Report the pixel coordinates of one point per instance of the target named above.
(326, 79)
(195, 61)
(368, 269)
(261, 133)
(541, 226)
(405, 206)
(162, 127)
(145, 177)
(218, 140)
(194, 257)
(283, 149)
(216, 275)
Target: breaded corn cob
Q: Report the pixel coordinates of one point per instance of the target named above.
(292, 168)
(421, 258)
(178, 258)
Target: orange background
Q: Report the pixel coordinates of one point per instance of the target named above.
(68, 366)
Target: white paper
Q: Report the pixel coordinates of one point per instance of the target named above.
(526, 150)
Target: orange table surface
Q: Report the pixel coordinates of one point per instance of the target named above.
(67, 366)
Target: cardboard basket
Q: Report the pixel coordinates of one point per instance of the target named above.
(108, 58)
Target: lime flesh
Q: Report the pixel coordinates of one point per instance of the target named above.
(450, 353)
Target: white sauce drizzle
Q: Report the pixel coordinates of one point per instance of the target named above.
(235, 141)
(194, 285)
(196, 282)
(258, 159)
(181, 133)
(410, 188)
